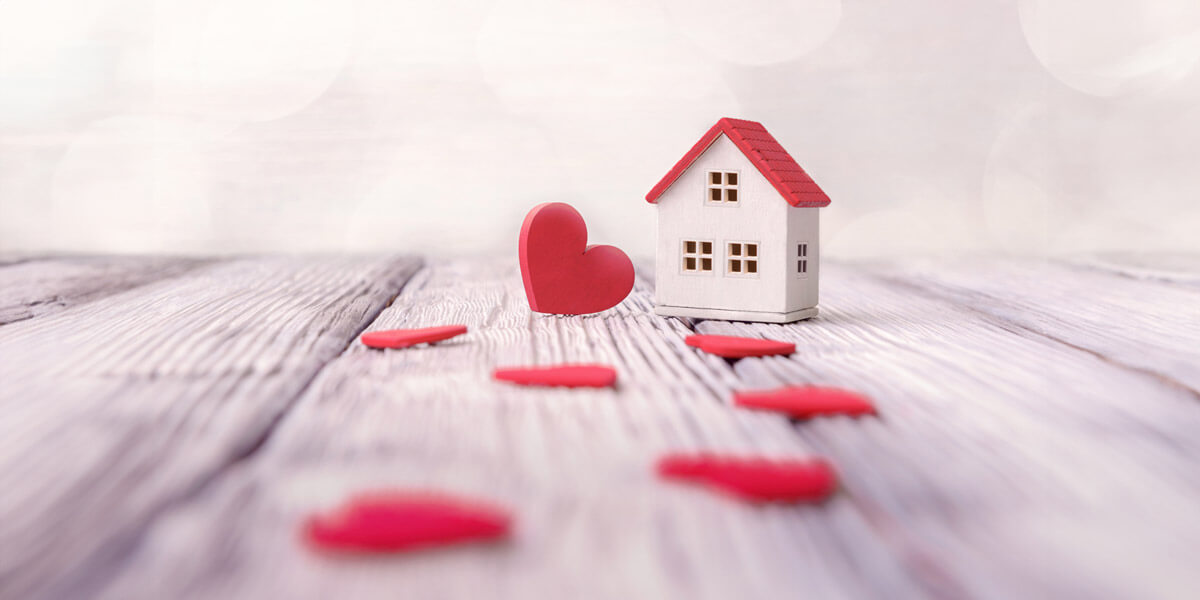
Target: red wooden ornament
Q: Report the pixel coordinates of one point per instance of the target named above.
(803, 402)
(738, 347)
(403, 338)
(560, 375)
(754, 479)
(401, 521)
(564, 275)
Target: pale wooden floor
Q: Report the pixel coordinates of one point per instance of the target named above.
(167, 422)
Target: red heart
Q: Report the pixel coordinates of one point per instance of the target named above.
(397, 521)
(738, 347)
(806, 401)
(753, 478)
(403, 338)
(562, 274)
(560, 375)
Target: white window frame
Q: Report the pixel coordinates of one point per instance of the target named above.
(802, 259)
(724, 188)
(699, 255)
(743, 258)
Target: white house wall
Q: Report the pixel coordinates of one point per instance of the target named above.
(760, 215)
(803, 227)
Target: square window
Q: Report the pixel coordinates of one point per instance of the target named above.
(735, 266)
(715, 178)
(714, 194)
(731, 179)
(735, 249)
(706, 264)
(689, 247)
(689, 263)
(705, 247)
(731, 195)
(751, 249)
(752, 266)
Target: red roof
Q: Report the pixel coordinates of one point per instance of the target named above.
(764, 153)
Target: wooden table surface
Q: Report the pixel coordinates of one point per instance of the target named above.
(167, 423)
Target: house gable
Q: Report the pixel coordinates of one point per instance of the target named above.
(764, 152)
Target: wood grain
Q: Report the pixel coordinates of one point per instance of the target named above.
(1007, 462)
(115, 409)
(37, 286)
(1036, 437)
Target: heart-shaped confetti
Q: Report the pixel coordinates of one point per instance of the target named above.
(738, 347)
(403, 338)
(803, 402)
(401, 521)
(560, 375)
(755, 479)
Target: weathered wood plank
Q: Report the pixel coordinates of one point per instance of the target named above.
(1007, 463)
(1138, 323)
(1017, 455)
(114, 410)
(31, 287)
(575, 465)
(1178, 268)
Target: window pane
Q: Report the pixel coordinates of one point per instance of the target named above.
(689, 247)
(714, 194)
(706, 247)
(804, 266)
(735, 249)
(731, 179)
(730, 195)
(689, 264)
(706, 264)
(803, 249)
(735, 266)
(715, 178)
(752, 266)
(799, 266)
(751, 249)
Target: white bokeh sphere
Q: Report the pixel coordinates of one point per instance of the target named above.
(1111, 47)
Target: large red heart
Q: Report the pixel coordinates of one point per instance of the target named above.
(562, 273)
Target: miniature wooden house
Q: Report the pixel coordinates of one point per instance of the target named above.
(738, 225)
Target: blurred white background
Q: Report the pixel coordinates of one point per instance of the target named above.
(1031, 126)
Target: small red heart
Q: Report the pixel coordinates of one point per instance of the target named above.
(738, 347)
(753, 478)
(403, 338)
(561, 375)
(399, 521)
(803, 402)
(562, 274)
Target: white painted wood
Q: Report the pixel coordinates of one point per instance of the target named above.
(37, 286)
(1136, 323)
(116, 408)
(1181, 268)
(760, 215)
(1008, 462)
(576, 466)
